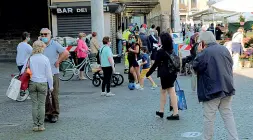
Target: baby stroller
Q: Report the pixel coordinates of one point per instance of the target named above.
(117, 78)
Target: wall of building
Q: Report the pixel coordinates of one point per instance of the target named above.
(107, 20)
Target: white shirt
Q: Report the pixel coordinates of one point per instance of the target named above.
(24, 51)
(237, 37)
(41, 69)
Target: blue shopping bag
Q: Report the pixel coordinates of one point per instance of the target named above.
(181, 98)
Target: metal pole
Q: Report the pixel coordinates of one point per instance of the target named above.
(97, 18)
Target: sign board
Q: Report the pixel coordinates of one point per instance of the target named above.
(72, 10)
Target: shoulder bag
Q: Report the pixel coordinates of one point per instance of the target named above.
(26, 76)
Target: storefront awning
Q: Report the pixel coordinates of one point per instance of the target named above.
(234, 5)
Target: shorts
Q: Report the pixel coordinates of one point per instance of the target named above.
(135, 64)
(144, 72)
(168, 81)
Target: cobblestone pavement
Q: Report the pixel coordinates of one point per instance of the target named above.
(130, 115)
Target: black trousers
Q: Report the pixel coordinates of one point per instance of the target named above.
(107, 79)
(185, 60)
(20, 68)
(80, 60)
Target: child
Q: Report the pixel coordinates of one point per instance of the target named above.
(145, 68)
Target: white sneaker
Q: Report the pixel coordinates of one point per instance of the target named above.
(103, 93)
(109, 94)
(141, 88)
(137, 86)
(154, 87)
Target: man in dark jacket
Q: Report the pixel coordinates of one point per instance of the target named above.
(145, 39)
(213, 66)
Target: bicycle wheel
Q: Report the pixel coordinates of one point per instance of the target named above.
(120, 79)
(23, 96)
(66, 71)
(88, 71)
(114, 81)
(96, 82)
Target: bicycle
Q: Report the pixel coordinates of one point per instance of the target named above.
(24, 94)
(68, 69)
(117, 79)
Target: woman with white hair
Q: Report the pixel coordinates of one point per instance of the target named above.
(40, 81)
(215, 89)
(237, 47)
(82, 53)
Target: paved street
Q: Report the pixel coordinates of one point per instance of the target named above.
(130, 115)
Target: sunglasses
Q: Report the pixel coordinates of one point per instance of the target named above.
(43, 34)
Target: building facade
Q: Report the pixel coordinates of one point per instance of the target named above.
(189, 7)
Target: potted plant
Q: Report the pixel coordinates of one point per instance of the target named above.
(242, 19)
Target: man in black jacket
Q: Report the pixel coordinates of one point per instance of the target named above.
(213, 66)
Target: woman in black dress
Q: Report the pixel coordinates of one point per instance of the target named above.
(167, 79)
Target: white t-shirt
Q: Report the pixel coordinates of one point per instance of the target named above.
(237, 37)
(24, 51)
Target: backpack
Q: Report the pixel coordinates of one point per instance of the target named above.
(173, 63)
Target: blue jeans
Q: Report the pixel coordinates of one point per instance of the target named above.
(120, 47)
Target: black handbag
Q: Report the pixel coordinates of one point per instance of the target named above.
(173, 63)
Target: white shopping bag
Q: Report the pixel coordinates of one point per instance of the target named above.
(13, 90)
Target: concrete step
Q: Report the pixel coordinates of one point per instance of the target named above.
(9, 53)
(6, 49)
(7, 59)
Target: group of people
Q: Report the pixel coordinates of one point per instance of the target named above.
(212, 64)
(43, 59)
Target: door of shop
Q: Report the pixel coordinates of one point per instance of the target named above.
(71, 25)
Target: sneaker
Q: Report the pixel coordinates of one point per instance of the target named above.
(103, 93)
(154, 87)
(109, 94)
(35, 128)
(137, 86)
(41, 128)
(141, 88)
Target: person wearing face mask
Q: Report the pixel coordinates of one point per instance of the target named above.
(128, 32)
(154, 40)
(24, 50)
(56, 54)
(134, 57)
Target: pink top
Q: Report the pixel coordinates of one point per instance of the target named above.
(81, 49)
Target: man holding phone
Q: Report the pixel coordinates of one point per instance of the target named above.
(213, 65)
(56, 54)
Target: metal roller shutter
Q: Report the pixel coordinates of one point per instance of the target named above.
(71, 25)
